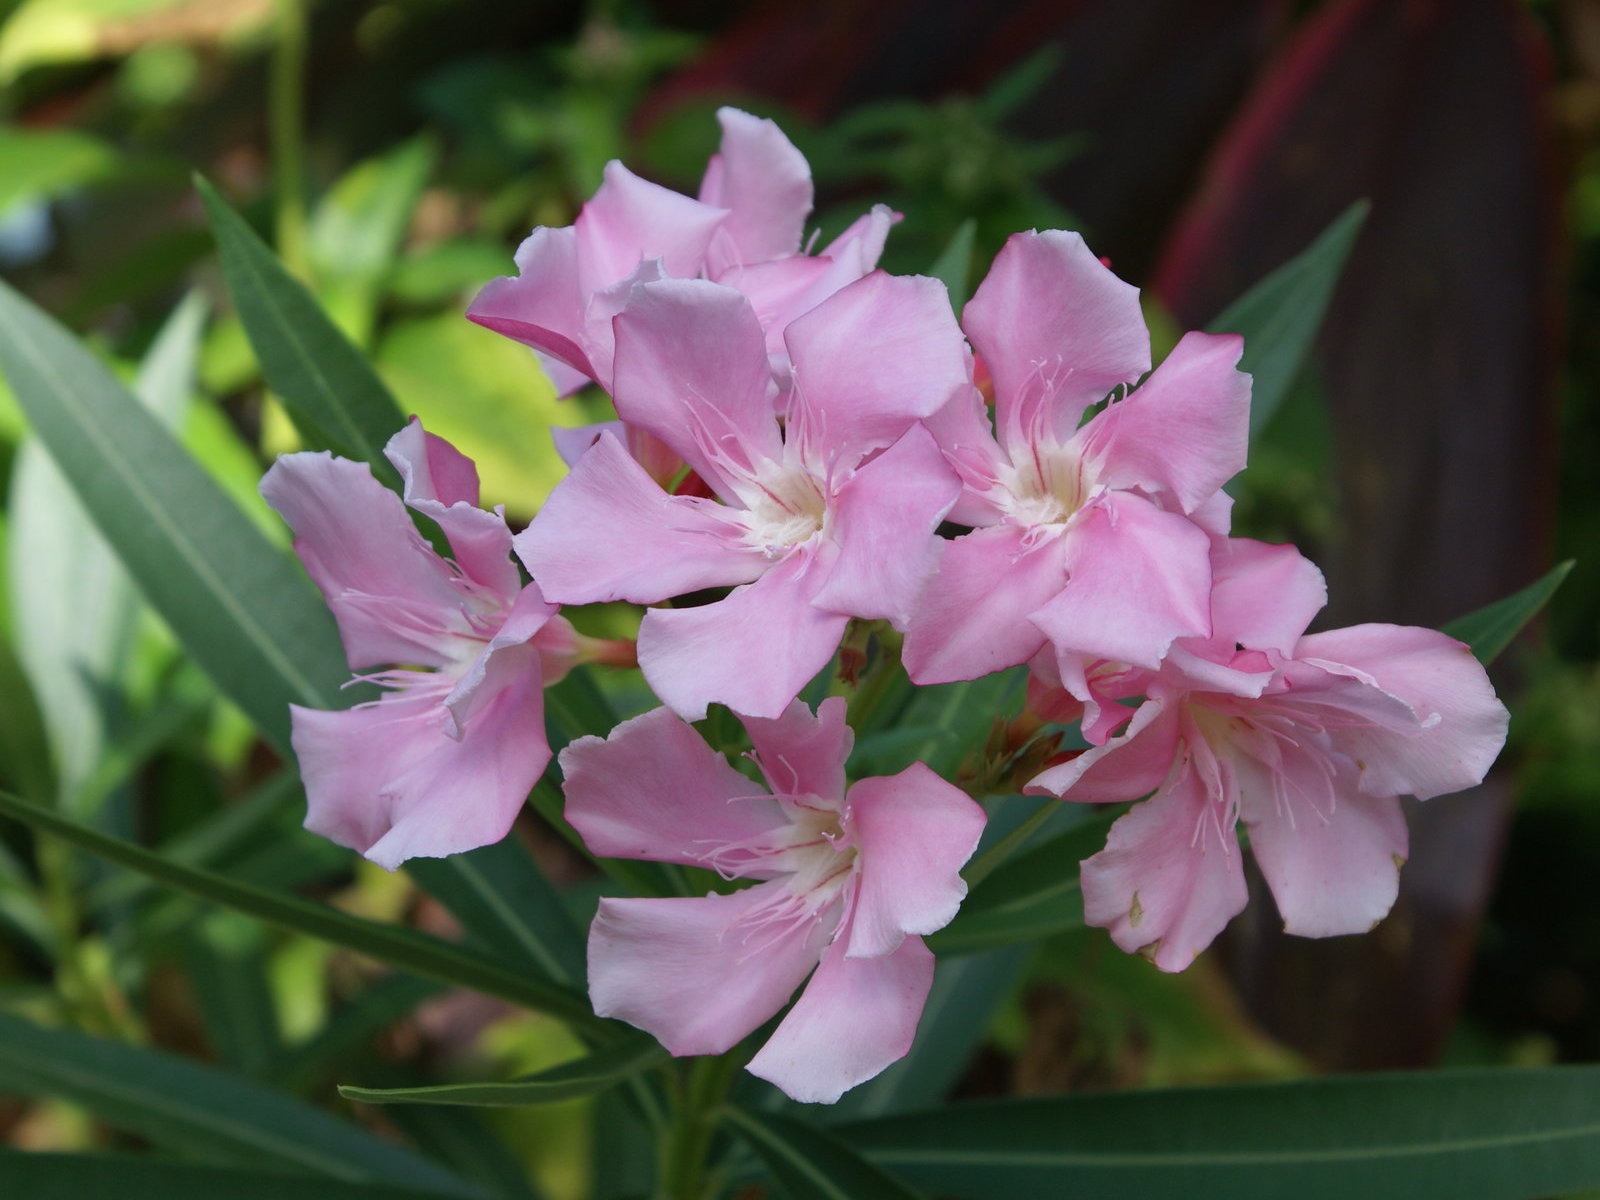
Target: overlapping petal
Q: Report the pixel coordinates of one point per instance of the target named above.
(1057, 331)
(698, 974)
(753, 650)
(856, 1017)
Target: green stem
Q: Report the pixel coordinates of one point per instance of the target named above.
(686, 1152)
(286, 121)
(1008, 845)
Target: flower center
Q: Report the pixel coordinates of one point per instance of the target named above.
(787, 508)
(1048, 487)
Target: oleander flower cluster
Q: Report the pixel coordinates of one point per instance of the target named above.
(804, 446)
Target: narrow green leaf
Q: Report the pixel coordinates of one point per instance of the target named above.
(1279, 317)
(72, 603)
(812, 1165)
(419, 953)
(508, 906)
(953, 267)
(244, 611)
(75, 1176)
(327, 384)
(1470, 1135)
(201, 1111)
(598, 1072)
(1491, 629)
(1031, 896)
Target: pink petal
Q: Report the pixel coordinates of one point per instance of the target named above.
(608, 532)
(1128, 766)
(964, 435)
(389, 780)
(801, 754)
(752, 651)
(630, 219)
(564, 379)
(913, 834)
(691, 368)
(541, 306)
(1137, 578)
(765, 185)
(699, 974)
(863, 239)
(973, 615)
(1330, 855)
(883, 518)
(442, 484)
(1263, 596)
(854, 393)
(653, 789)
(856, 1017)
(1057, 331)
(1170, 876)
(1185, 430)
(1462, 724)
(506, 656)
(390, 593)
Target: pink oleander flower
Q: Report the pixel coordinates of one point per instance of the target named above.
(444, 759)
(1092, 537)
(745, 230)
(827, 515)
(847, 881)
(1309, 740)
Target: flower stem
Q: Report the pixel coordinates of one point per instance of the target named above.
(686, 1150)
(997, 854)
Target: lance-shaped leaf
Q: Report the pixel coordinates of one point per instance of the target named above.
(72, 603)
(1279, 317)
(243, 610)
(1491, 629)
(396, 945)
(329, 387)
(598, 1072)
(812, 1165)
(1470, 1135)
(201, 1111)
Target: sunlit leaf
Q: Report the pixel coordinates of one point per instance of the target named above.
(72, 602)
(328, 386)
(36, 164)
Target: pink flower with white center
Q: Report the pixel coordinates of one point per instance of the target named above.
(744, 230)
(1308, 740)
(826, 516)
(847, 881)
(1092, 536)
(444, 759)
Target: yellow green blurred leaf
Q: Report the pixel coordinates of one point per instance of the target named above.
(487, 395)
(37, 163)
(42, 32)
